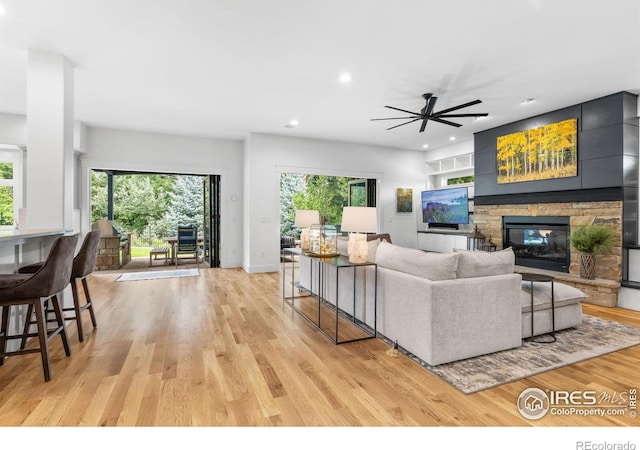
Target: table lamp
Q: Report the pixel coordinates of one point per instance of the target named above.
(304, 219)
(358, 220)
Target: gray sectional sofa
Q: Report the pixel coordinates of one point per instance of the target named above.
(443, 307)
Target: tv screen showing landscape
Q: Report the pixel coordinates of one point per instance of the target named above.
(447, 206)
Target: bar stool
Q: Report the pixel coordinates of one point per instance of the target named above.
(33, 291)
(84, 264)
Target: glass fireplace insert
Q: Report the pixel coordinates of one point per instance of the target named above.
(540, 242)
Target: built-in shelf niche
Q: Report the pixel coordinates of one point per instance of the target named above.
(451, 164)
(438, 171)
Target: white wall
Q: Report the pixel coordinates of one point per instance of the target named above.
(13, 129)
(152, 152)
(455, 149)
(267, 156)
(250, 226)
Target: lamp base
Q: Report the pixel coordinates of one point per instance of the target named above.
(357, 248)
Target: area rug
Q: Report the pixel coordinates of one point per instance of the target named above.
(595, 337)
(156, 275)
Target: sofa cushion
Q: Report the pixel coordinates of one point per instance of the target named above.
(481, 264)
(563, 295)
(432, 266)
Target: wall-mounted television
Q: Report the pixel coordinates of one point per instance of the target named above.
(445, 206)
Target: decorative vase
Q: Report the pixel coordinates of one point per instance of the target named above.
(587, 265)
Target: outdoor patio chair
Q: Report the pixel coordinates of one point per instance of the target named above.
(187, 244)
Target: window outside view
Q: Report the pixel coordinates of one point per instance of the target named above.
(326, 194)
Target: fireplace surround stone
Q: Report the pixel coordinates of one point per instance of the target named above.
(603, 290)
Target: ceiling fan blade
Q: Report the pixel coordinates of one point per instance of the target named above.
(462, 115)
(424, 123)
(394, 118)
(406, 123)
(444, 111)
(404, 110)
(430, 105)
(446, 122)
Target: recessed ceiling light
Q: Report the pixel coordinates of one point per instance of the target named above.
(452, 138)
(345, 78)
(292, 124)
(425, 146)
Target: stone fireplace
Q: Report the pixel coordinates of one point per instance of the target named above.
(490, 221)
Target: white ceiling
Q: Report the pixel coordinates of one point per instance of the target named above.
(226, 68)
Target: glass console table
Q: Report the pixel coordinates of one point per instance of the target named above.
(311, 302)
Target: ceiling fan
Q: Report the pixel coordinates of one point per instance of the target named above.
(427, 113)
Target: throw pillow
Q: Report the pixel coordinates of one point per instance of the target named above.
(433, 266)
(481, 264)
(383, 236)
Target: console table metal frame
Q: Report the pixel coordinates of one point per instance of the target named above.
(533, 278)
(323, 265)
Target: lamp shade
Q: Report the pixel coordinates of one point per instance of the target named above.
(306, 217)
(359, 219)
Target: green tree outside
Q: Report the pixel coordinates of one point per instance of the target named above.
(290, 184)
(186, 207)
(6, 205)
(6, 195)
(139, 200)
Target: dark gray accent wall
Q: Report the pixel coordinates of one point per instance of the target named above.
(607, 159)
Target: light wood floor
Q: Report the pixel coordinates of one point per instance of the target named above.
(221, 349)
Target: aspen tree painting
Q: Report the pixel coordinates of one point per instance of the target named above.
(550, 151)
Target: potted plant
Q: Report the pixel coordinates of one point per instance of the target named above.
(590, 240)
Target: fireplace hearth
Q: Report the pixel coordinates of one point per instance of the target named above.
(540, 242)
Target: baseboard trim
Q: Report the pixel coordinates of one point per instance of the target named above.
(629, 298)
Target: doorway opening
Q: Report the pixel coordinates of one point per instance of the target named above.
(327, 194)
(147, 208)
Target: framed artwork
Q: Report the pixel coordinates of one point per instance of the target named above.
(549, 151)
(404, 200)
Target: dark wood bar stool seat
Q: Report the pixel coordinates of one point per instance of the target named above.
(84, 264)
(34, 291)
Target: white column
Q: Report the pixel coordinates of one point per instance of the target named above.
(50, 130)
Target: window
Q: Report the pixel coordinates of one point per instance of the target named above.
(357, 193)
(10, 185)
